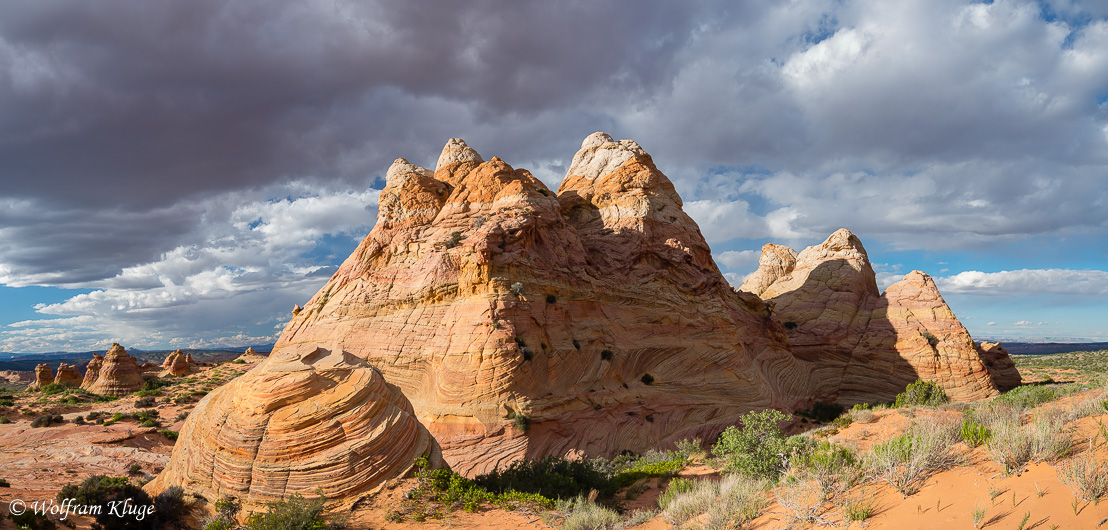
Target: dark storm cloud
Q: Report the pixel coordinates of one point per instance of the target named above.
(141, 103)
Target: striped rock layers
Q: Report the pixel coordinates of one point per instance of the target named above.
(597, 312)
(117, 375)
(68, 375)
(178, 364)
(304, 419)
(865, 346)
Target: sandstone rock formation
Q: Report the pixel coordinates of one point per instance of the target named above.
(43, 376)
(68, 375)
(1000, 365)
(92, 370)
(251, 356)
(865, 346)
(596, 312)
(117, 375)
(178, 364)
(306, 418)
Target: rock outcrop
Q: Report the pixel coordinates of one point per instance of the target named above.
(68, 375)
(178, 364)
(117, 375)
(306, 418)
(251, 356)
(865, 346)
(92, 370)
(597, 312)
(1000, 365)
(44, 375)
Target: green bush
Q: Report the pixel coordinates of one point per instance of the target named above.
(172, 435)
(106, 519)
(92, 490)
(294, 513)
(4, 420)
(520, 421)
(171, 508)
(7, 401)
(758, 448)
(1029, 396)
(50, 389)
(931, 338)
(552, 477)
(973, 433)
(145, 403)
(675, 488)
(29, 520)
(154, 384)
(922, 393)
(42, 421)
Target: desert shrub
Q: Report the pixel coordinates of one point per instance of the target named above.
(293, 513)
(1029, 396)
(50, 389)
(146, 393)
(7, 401)
(92, 416)
(906, 461)
(973, 433)
(135, 469)
(4, 420)
(145, 403)
(29, 520)
(859, 509)
(862, 415)
(728, 503)
(931, 338)
(758, 448)
(172, 435)
(690, 449)
(4, 483)
(1086, 478)
(552, 477)
(92, 490)
(226, 510)
(517, 288)
(139, 519)
(154, 384)
(923, 393)
(802, 500)
(520, 421)
(171, 508)
(833, 467)
(42, 421)
(581, 513)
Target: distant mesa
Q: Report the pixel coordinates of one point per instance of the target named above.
(596, 313)
(115, 374)
(305, 419)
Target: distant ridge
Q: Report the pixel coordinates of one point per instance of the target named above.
(1047, 348)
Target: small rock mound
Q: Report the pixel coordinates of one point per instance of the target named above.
(178, 364)
(68, 375)
(305, 419)
(43, 376)
(117, 375)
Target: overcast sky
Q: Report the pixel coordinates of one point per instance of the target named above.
(179, 174)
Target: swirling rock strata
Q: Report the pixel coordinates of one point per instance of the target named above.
(306, 418)
(117, 375)
(865, 346)
(596, 312)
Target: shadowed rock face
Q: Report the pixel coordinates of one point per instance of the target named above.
(92, 370)
(866, 347)
(117, 375)
(306, 418)
(68, 375)
(597, 311)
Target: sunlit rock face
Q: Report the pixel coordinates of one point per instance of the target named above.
(68, 375)
(44, 375)
(306, 419)
(118, 374)
(597, 311)
(178, 363)
(865, 346)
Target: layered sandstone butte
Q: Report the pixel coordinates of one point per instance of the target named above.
(44, 375)
(304, 419)
(68, 375)
(597, 312)
(118, 374)
(865, 346)
(178, 364)
(92, 370)
(251, 356)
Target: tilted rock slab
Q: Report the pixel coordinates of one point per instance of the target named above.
(866, 346)
(68, 375)
(304, 419)
(596, 312)
(118, 374)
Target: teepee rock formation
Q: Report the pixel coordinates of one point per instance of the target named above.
(117, 374)
(68, 375)
(597, 312)
(866, 346)
(44, 375)
(306, 418)
(178, 363)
